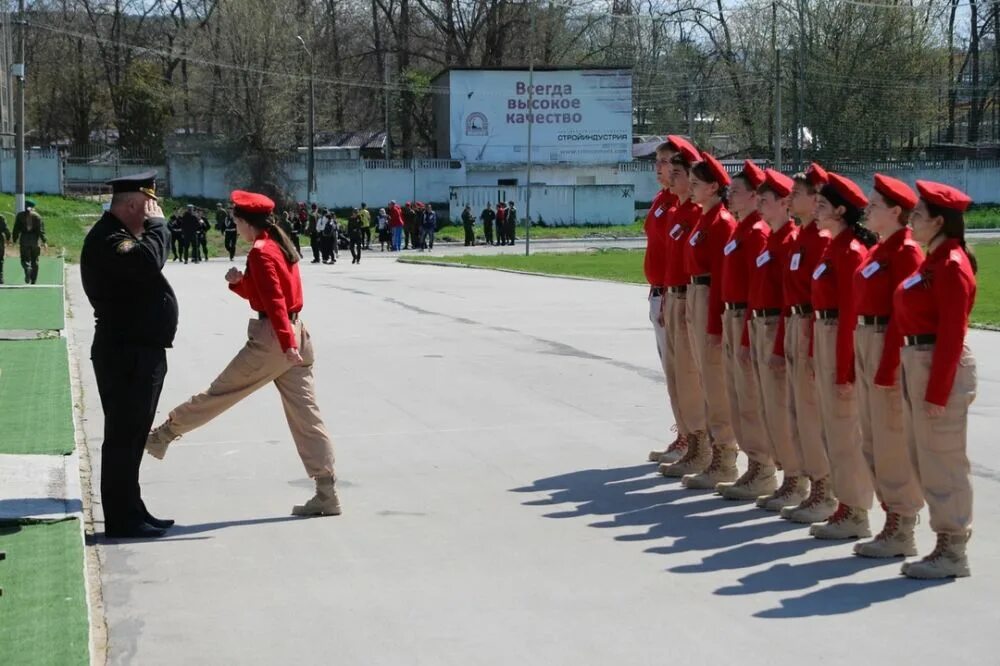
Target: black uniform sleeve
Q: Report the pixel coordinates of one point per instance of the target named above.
(139, 257)
(4, 231)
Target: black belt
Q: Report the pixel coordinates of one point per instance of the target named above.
(766, 312)
(923, 339)
(804, 309)
(656, 291)
(704, 280)
(682, 289)
(827, 314)
(735, 306)
(292, 316)
(872, 320)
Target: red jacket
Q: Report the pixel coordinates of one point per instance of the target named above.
(765, 291)
(797, 271)
(937, 300)
(272, 286)
(889, 263)
(748, 241)
(832, 289)
(395, 216)
(681, 219)
(655, 261)
(703, 254)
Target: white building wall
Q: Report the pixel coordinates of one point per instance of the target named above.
(554, 205)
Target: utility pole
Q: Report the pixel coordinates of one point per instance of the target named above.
(311, 160)
(800, 84)
(777, 85)
(531, 116)
(385, 147)
(19, 111)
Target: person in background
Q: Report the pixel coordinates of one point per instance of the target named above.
(469, 225)
(487, 216)
(190, 225)
(366, 226)
(229, 234)
(409, 226)
(382, 225)
(176, 236)
(428, 228)
(312, 230)
(501, 223)
(327, 227)
(29, 233)
(220, 217)
(397, 226)
(203, 228)
(355, 236)
(511, 223)
(4, 240)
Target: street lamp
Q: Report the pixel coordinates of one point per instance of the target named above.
(311, 163)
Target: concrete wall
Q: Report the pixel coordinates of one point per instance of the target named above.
(42, 172)
(555, 205)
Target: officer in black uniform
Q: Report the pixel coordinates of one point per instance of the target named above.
(136, 312)
(203, 228)
(190, 224)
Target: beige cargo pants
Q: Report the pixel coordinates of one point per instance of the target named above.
(655, 306)
(773, 389)
(851, 480)
(803, 401)
(743, 394)
(261, 362)
(686, 393)
(883, 435)
(708, 361)
(938, 445)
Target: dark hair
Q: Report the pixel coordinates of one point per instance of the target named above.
(904, 212)
(702, 172)
(265, 222)
(665, 146)
(801, 177)
(852, 216)
(766, 187)
(746, 180)
(953, 228)
(680, 160)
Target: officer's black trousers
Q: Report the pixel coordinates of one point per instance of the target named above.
(204, 246)
(355, 247)
(230, 240)
(1, 261)
(29, 262)
(488, 232)
(295, 241)
(470, 235)
(129, 381)
(175, 246)
(314, 244)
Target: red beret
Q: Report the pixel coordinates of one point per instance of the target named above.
(753, 173)
(944, 196)
(817, 175)
(779, 182)
(684, 147)
(848, 190)
(718, 171)
(251, 202)
(895, 191)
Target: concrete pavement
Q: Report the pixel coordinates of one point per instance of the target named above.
(490, 431)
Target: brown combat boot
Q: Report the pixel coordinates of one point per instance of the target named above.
(759, 479)
(895, 539)
(847, 522)
(697, 457)
(793, 490)
(720, 470)
(816, 508)
(324, 503)
(672, 453)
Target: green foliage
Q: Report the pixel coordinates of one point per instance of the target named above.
(145, 108)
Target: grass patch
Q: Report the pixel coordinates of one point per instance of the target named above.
(37, 413)
(31, 308)
(43, 610)
(987, 308)
(457, 232)
(50, 271)
(983, 217)
(616, 265)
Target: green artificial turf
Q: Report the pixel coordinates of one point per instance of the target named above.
(50, 270)
(36, 411)
(31, 308)
(43, 609)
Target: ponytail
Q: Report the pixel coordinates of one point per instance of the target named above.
(852, 216)
(267, 222)
(953, 228)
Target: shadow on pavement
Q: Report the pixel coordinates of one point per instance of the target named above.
(848, 598)
(182, 532)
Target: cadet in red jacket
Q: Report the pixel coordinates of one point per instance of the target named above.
(764, 308)
(883, 440)
(654, 265)
(679, 360)
(932, 309)
(703, 256)
(748, 240)
(279, 350)
(803, 401)
(839, 210)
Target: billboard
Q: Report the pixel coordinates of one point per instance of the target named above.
(577, 116)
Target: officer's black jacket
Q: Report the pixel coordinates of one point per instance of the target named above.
(133, 302)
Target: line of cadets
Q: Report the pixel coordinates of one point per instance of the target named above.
(815, 349)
